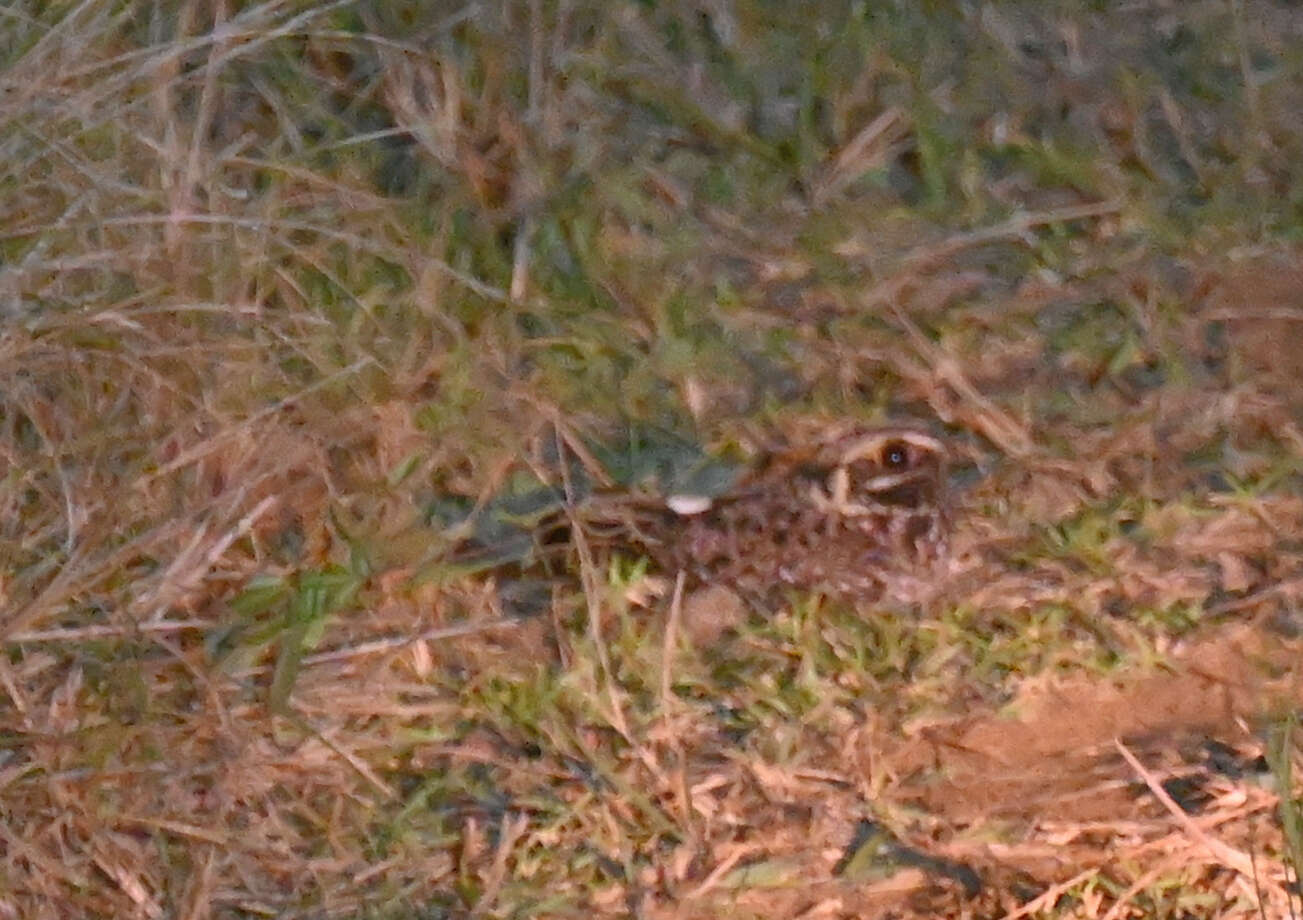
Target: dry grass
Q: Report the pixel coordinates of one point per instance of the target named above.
(286, 288)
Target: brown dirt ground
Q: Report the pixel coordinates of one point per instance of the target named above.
(1028, 797)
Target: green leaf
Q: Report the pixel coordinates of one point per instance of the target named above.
(288, 658)
(404, 468)
(262, 593)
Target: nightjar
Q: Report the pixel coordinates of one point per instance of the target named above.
(849, 517)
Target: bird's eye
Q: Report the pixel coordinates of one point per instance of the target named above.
(895, 456)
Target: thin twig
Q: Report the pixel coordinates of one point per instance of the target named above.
(592, 597)
(721, 870)
(301, 721)
(1226, 854)
(671, 639)
(172, 582)
(668, 723)
(79, 633)
(1012, 437)
(210, 444)
(431, 635)
(1012, 228)
(923, 257)
(1228, 315)
(1123, 901)
(513, 828)
(379, 646)
(1050, 896)
(356, 241)
(854, 160)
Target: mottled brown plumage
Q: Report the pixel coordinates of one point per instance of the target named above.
(849, 518)
(853, 515)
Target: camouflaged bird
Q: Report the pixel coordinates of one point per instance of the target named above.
(848, 517)
(851, 515)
